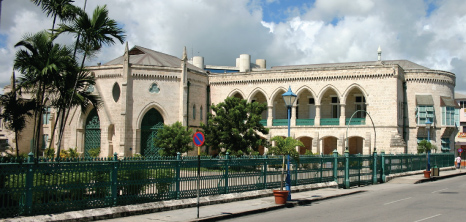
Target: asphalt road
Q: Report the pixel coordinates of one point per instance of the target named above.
(443, 200)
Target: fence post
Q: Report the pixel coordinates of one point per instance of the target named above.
(335, 166)
(321, 167)
(295, 169)
(347, 181)
(29, 183)
(114, 179)
(382, 165)
(177, 179)
(265, 171)
(374, 169)
(225, 176)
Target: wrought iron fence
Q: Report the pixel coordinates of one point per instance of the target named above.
(43, 186)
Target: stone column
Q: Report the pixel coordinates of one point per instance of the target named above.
(317, 119)
(270, 115)
(293, 116)
(315, 143)
(342, 114)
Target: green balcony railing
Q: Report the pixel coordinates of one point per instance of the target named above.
(280, 122)
(356, 121)
(304, 122)
(263, 122)
(329, 121)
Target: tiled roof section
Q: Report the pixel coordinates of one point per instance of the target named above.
(143, 56)
(405, 64)
(424, 100)
(459, 96)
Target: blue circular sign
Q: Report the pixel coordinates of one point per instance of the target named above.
(198, 139)
(460, 150)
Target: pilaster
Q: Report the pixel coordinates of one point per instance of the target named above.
(317, 119)
(342, 114)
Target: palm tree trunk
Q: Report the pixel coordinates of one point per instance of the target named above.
(17, 143)
(62, 129)
(55, 127)
(54, 19)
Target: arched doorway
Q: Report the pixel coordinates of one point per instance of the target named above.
(92, 132)
(355, 145)
(307, 141)
(151, 123)
(330, 144)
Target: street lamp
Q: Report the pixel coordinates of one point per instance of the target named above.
(428, 124)
(289, 98)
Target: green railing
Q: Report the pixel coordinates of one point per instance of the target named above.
(280, 122)
(356, 121)
(263, 122)
(329, 121)
(44, 186)
(304, 122)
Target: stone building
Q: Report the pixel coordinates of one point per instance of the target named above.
(388, 102)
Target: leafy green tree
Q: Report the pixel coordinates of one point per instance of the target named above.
(173, 138)
(285, 146)
(424, 146)
(235, 126)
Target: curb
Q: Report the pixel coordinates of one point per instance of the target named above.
(289, 204)
(440, 177)
(153, 207)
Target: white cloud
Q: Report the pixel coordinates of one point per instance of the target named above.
(220, 30)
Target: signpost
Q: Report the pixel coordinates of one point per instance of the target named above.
(198, 140)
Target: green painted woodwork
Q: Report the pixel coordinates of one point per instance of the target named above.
(280, 122)
(329, 121)
(92, 132)
(356, 121)
(43, 186)
(263, 122)
(304, 122)
(151, 123)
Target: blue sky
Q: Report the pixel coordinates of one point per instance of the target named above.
(431, 33)
(280, 11)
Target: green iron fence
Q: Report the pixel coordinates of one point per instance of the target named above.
(44, 186)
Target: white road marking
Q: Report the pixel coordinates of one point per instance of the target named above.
(396, 201)
(427, 218)
(440, 190)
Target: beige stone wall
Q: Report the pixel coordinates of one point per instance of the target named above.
(381, 85)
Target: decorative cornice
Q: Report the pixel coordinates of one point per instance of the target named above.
(109, 76)
(304, 78)
(154, 76)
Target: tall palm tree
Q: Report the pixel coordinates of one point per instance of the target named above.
(81, 80)
(63, 9)
(91, 34)
(15, 110)
(40, 61)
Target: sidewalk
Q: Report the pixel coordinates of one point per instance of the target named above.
(225, 206)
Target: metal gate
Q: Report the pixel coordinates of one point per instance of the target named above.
(92, 133)
(151, 123)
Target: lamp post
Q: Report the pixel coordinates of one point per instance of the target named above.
(428, 124)
(289, 98)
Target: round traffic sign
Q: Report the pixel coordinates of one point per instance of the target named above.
(460, 150)
(198, 139)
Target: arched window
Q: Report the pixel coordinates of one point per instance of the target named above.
(194, 111)
(200, 113)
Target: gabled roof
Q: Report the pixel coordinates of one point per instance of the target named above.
(405, 64)
(143, 56)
